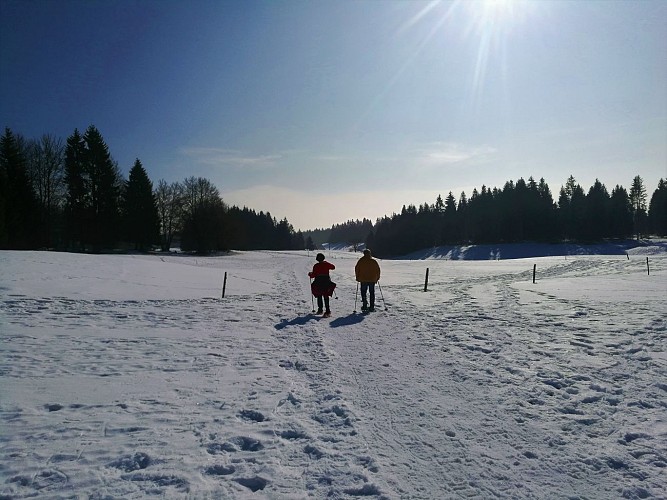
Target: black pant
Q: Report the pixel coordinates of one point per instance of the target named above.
(370, 288)
(326, 302)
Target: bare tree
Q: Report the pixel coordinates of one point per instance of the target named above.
(203, 217)
(47, 171)
(198, 191)
(169, 198)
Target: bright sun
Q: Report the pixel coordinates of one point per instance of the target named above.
(497, 11)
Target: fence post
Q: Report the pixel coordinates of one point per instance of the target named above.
(426, 280)
(534, 272)
(224, 285)
(648, 269)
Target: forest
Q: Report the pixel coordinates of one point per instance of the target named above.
(72, 196)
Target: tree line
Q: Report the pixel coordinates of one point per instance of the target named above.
(72, 196)
(524, 211)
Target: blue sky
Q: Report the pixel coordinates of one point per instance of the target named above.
(325, 111)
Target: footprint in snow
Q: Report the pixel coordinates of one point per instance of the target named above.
(253, 483)
(220, 470)
(240, 443)
(252, 415)
(137, 461)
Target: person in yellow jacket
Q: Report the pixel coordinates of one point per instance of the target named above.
(367, 272)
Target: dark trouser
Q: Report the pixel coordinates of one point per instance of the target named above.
(367, 287)
(326, 302)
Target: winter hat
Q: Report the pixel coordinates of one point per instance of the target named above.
(367, 252)
(319, 257)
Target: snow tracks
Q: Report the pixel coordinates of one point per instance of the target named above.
(487, 386)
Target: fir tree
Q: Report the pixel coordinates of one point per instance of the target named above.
(657, 211)
(140, 214)
(620, 213)
(77, 216)
(638, 203)
(597, 212)
(18, 202)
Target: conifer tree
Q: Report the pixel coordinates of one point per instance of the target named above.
(77, 216)
(657, 211)
(140, 214)
(105, 190)
(638, 203)
(597, 211)
(93, 191)
(620, 213)
(18, 202)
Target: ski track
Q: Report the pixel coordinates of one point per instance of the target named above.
(384, 405)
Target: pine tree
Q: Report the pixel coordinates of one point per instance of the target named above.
(547, 229)
(449, 232)
(140, 214)
(19, 213)
(105, 190)
(620, 213)
(597, 211)
(638, 202)
(77, 204)
(657, 211)
(572, 209)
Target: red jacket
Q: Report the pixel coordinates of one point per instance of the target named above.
(322, 284)
(321, 268)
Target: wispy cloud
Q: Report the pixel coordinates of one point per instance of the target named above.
(445, 153)
(219, 157)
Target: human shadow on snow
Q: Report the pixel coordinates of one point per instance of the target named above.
(352, 319)
(299, 321)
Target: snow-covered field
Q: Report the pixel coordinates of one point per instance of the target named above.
(129, 376)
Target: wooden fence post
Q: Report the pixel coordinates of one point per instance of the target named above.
(224, 285)
(426, 280)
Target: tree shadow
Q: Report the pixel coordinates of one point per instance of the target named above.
(351, 319)
(299, 321)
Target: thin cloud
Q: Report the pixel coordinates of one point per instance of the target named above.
(219, 157)
(440, 153)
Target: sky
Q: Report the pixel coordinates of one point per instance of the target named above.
(327, 111)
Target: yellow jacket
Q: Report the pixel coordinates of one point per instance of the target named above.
(367, 270)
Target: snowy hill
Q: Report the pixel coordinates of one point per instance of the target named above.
(524, 251)
(129, 376)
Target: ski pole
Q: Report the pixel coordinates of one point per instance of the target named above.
(312, 301)
(355, 298)
(382, 295)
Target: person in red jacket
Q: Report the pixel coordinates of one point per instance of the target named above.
(322, 286)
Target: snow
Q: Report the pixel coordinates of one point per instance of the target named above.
(129, 376)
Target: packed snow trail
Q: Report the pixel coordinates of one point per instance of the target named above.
(129, 376)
